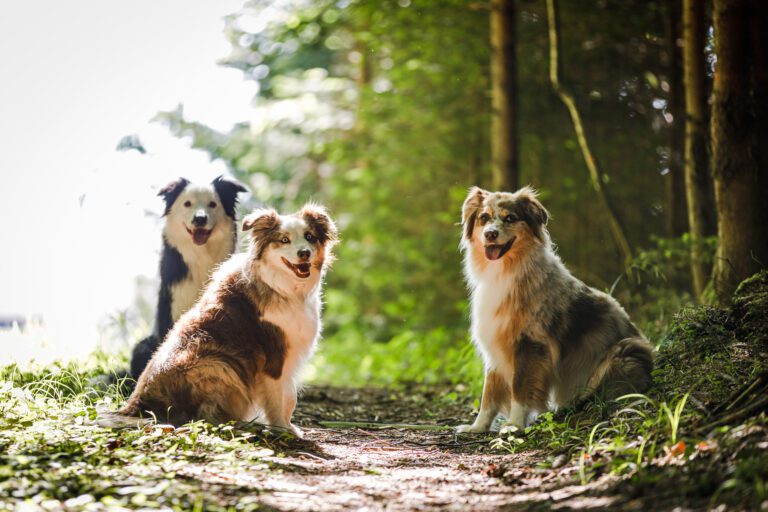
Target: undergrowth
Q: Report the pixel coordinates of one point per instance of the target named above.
(699, 436)
(53, 457)
(439, 356)
(685, 436)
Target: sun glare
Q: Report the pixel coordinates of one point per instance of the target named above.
(84, 227)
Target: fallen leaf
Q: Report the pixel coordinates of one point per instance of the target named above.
(677, 449)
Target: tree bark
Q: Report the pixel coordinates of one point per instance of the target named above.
(504, 125)
(595, 173)
(698, 181)
(674, 181)
(738, 158)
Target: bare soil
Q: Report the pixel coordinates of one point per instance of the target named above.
(377, 468)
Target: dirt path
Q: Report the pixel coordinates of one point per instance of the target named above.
(404, 469)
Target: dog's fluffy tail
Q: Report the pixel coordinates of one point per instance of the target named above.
(629, 370)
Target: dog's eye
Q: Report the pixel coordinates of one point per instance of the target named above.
(510, 219)
(187, 203)
(309, 237)
(212, 204)
(285, 240)
(485, 217)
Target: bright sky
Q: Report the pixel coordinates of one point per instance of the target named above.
(76, 77)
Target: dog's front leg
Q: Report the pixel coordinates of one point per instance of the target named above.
(289, 405)
(496, 399)
(279, 401)
(518, 413)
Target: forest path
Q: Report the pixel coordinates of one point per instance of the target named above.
(354, 468)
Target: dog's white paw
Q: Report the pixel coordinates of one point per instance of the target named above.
(296, 431)
(470, 429)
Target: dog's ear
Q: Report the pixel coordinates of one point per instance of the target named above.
(320, 223)
(171, 191)
(260, 221)
(533, 211)
(227, 191)
(472, 205)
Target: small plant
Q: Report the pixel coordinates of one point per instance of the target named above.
(668, 415)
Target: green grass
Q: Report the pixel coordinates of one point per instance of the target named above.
(660, 439)
(54, 457)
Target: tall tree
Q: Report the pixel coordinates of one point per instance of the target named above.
(504, 125)
(595, 173)
(676, 205)
(739, 117)
(698, 181)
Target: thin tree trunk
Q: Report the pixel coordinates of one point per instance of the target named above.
(595, 173)
(677, 213)
(738, 154)
(697, 176)
(504, 127)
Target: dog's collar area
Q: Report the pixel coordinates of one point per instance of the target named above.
(302, 270)
(496, 251)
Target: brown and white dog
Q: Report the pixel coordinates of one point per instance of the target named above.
(546, 338)
(236, 354)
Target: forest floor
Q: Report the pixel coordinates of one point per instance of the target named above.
(380, 466)
(698, 440)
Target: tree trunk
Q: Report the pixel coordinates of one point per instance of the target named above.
(595, 173)
(698, 181)
(674, 181)
(504, 127)
(738, 157)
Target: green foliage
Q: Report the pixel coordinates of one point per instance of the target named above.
(622, 442)
(657, 283)
(668, 433)
(429, 358)
(54, 457)
(381, 110)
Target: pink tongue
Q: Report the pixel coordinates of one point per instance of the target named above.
(492, 252)
(200, 236)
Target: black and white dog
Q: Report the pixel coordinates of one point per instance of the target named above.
(198, 235)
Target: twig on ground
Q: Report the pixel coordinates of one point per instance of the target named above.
(742, 393)
(451, 444)
(313, 456)
(738, 415)
(381, 426)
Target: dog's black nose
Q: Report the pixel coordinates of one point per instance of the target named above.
(200, 220)
(304, 254)
(491, 235)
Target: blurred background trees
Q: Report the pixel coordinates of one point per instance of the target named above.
(388, 110)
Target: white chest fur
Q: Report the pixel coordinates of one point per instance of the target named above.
(186, 292)
(299, 320)
(486, 323)
(201, 260)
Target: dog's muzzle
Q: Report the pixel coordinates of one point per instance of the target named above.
(301, 270)
(496, 251)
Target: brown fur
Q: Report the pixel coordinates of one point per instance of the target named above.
(496, 392)
(223, 360)
(215, 355)
(552, 338)
(534, 372)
